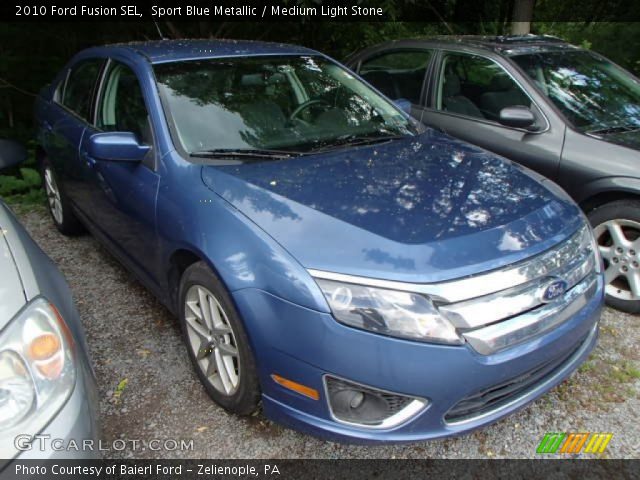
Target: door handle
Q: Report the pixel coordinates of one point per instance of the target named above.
(91, 162)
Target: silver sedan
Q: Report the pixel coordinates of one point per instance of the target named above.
(48, 395)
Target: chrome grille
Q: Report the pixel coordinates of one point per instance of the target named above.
(498, 320)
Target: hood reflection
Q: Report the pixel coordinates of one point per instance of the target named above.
(411, 191)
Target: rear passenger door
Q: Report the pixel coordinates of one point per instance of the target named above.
(73, 105)
(467, 92)
(399, 74)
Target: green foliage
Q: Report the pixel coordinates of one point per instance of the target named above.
(22, 185)
(619, 41)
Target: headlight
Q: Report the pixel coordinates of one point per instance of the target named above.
(388, 312)
(590, 239)
(37, 372)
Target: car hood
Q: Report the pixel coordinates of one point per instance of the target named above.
(422, 209)
(12, 297)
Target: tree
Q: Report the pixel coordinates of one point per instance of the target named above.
(522, 16)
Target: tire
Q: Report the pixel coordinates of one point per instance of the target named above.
(58, 204)
(617, 229)
(211, 344)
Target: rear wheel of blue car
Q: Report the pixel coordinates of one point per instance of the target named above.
(616, 226)
(217, 342)
(63, 217)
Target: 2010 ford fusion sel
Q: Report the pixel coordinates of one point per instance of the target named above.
(360, 276)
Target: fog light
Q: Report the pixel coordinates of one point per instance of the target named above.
(369, 407)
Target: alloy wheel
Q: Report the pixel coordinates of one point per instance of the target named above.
(53, 195)
(212, 340)
(619, 245)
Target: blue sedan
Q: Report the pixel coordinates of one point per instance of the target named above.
(360, 276)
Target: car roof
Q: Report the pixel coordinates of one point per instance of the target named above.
(505, 44)
(160, 51)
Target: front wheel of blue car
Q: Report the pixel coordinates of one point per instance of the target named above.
(217, 343)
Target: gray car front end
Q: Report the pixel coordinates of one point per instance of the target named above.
(48, 394)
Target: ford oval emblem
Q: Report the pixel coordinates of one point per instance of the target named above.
(554, 290)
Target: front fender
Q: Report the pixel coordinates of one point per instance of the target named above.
(244, 256)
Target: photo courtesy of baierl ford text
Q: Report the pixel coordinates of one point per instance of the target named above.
(291, 239)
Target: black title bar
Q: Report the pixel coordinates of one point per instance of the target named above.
(437, 11)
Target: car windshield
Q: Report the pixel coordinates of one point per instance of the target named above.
(273, 104)
(593, 93)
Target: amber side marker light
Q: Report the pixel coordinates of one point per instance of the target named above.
(296, 387)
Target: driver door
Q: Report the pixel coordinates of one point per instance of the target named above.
(123, 193)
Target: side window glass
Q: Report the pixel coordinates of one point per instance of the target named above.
(78, 91)
(476, 87)
(398, 74)
(122, 107)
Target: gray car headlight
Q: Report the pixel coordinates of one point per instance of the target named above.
(388, 312)
(37, 372)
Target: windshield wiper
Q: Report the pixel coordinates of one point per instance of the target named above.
(614, 129)
(247, 153)
(357, 141)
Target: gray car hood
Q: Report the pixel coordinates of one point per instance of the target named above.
(12, 297)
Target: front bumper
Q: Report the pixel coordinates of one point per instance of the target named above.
(304, 345)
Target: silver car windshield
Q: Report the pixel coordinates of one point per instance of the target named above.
(593, 93)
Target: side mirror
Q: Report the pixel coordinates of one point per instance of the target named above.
(403, 104)
(117, 147)
(517, 117)
(11, 154)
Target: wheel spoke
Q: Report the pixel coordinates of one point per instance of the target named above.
(227, 349)
(233, 376)
(49, 182)
(193, 306)
(216, 318)
(212, 367)
(221, 329)
(222, 371)
(611, 274)
(204, 307)
(199, 329)
(634, 282)
(617, 235)
(605, 252)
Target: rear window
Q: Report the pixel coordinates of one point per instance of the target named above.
(79, 88)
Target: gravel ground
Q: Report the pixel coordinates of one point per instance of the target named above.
(149, 390)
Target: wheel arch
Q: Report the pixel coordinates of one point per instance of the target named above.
(179, 260)
(602, 191)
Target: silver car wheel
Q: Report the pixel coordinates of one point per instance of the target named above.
(212, 340)
(619, 245)
(53, 195)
